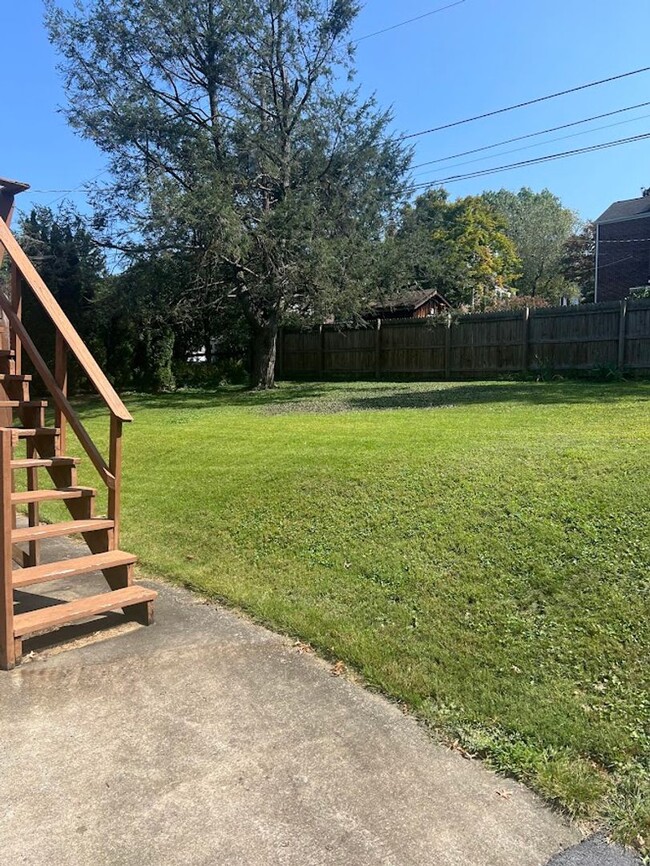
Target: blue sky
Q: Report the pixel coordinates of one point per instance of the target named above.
(473, 58)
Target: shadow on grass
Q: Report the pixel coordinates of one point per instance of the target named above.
(332, 397)
(532, 393)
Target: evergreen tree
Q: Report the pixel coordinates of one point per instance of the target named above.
(232, 140)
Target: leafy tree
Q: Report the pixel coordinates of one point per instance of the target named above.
(231, 141)
(459, 248)
(73, 268)
(539, 226)
(578, 263)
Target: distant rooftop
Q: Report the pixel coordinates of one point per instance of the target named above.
(13, 187)
(410, 300)
(625, 209)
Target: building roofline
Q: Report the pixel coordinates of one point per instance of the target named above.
(13, 187)
(624, 219)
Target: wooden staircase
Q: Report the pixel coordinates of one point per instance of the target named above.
(24, 429)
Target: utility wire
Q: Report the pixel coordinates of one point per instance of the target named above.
(409, 21)
(536, 161)
(531, 135)
(537, 144)
(525, 104)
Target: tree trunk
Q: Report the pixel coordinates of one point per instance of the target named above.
(264, 347)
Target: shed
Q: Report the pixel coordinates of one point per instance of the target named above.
(411, 304)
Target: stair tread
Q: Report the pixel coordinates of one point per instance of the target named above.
(23, 432)
(54, 495)
(71, 567)
(57, 615)
(44, 462)
(23, 404)
(67, 527)
(15, 377)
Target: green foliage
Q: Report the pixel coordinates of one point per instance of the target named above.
(72, 266)
(233, 144)
(459, 248)
(198, 374)
(578, 263)
(539, 226)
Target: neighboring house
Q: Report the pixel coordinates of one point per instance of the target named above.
(623, 249)
(412, 304)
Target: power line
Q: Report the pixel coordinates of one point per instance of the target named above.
(538, 144)
(525, 104)
(536, 161)
(531, 135)
(408, 21)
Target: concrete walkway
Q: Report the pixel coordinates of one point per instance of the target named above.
(208, 740)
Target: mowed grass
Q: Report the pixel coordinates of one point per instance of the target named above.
(479, 552)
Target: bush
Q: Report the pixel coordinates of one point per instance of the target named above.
(199, 374)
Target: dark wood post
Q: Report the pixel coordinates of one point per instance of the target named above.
(321, 351)
(279, 358)
(7, 646)
(448, 347)
(378, 349)
(525, 337)
(622, 333)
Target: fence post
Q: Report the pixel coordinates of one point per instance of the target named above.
(622, 334)
(448, 347)
(525, 339)
(321, 351)
(378, 349)
(279, 358)
(7, 646)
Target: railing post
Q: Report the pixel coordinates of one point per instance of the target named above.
(17, 307)
(7, 646)
(115, 467)
(61, 376)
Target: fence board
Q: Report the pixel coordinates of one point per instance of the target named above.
(481, 344)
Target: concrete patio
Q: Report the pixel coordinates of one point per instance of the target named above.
(206, 739)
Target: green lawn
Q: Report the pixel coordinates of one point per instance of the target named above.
(477, 551)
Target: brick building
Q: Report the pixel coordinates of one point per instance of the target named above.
(623, 249)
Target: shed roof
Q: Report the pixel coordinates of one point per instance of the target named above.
(410, 300)
(626, 209)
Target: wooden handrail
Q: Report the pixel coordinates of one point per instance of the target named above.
(59, 397)
(61, 322)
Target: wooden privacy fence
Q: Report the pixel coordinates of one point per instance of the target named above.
(476, 345)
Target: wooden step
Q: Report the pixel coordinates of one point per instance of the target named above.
(15, 377)
(51, 495)
(71, 567)
(23, 404)
(45, 462)
(48, 618)
(53, 530)
(28, 432)
(7, 353)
